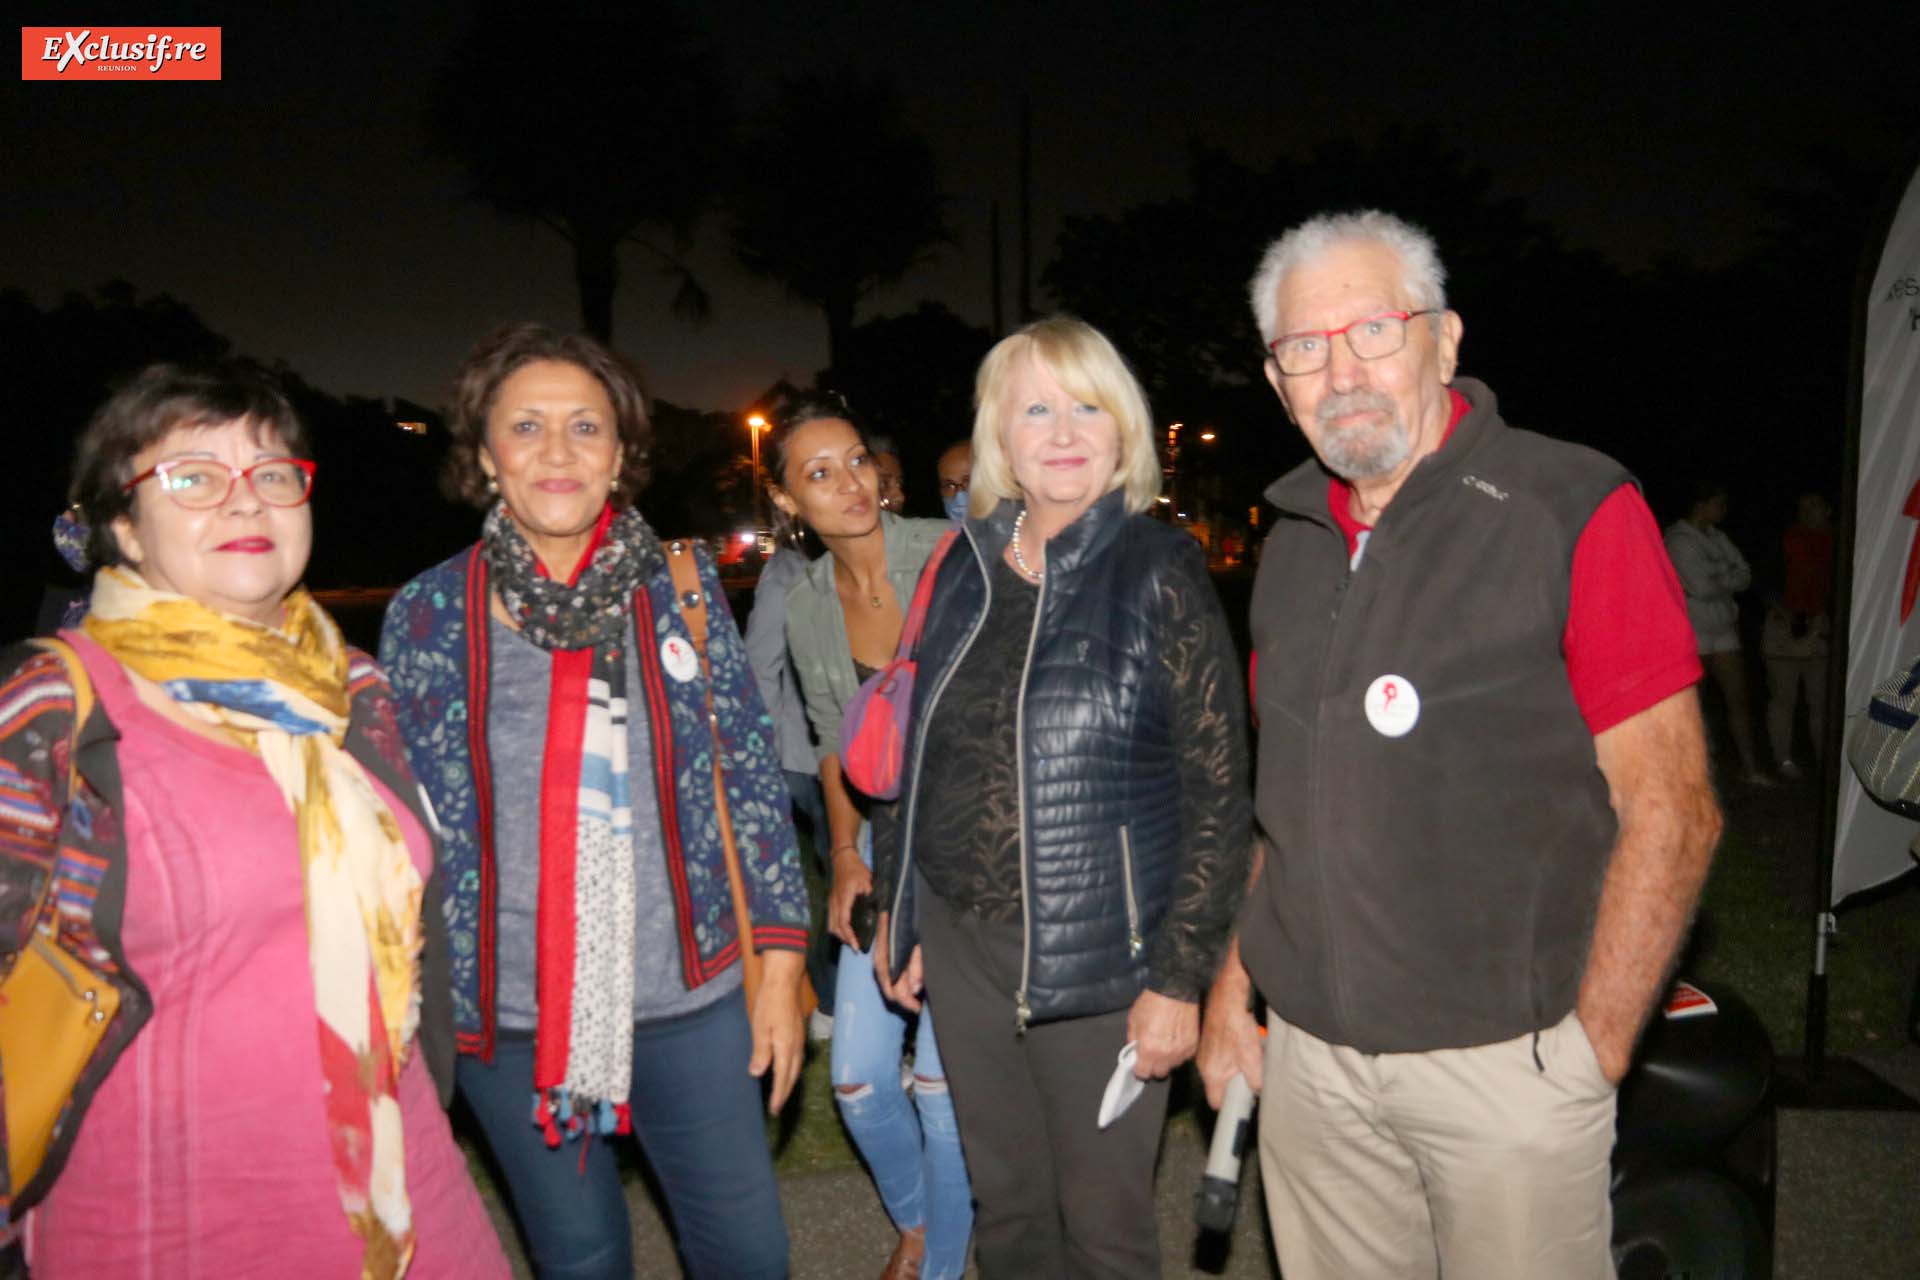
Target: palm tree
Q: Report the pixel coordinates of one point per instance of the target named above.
(611, 127)
(836, 197)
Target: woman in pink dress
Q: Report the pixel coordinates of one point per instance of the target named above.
(242, 860)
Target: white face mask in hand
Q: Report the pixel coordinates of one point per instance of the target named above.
(1124, 1089)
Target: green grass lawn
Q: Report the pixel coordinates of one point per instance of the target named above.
(1756, 926)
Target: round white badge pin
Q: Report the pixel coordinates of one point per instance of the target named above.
(1393, 706)
(676, 655)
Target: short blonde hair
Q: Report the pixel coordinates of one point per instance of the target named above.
(1087, 367)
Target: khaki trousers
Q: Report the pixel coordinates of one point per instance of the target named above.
(1470, 1164)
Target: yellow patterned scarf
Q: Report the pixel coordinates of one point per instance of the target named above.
(282, 694)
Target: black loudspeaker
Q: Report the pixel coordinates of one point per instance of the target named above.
(1847, 1195)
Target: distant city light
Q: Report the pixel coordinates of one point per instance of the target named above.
(412, 428)
(1207, 436)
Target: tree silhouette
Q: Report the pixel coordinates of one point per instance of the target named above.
(910, 376)
(835, 197)
(611, 127)
(702, 476)
(60, 364)
(1167, 282)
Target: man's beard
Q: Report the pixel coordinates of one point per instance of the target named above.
(1361, 453)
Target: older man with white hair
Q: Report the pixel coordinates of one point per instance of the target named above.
(1483, 785)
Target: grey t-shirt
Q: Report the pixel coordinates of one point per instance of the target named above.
(516, 736)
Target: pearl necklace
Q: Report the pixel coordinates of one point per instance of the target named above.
(1020, 561)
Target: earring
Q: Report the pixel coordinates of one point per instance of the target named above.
(615, 486)
(493, 485)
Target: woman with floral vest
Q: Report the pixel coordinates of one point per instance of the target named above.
(561, 719)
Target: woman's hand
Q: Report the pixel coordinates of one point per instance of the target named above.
(851, 878)
(910, 984)
(1164, 1031)
(904, 990)
(779, 1032)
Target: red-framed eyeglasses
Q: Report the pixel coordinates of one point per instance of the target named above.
(1370, 338)
(200, 484)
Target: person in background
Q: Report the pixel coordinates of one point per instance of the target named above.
(843, 623)
(1793, 640)
(551, 699)
(245, 861)
(1482, 790)
(892, 474)
(1713, 571)
(955, 470)
(766, 639)
(1075, 837)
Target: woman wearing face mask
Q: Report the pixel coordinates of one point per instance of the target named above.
(235, 871)
(1074, 837)
(552, 702)
(843, 623)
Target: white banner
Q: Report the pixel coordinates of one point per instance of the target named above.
(1870, 844)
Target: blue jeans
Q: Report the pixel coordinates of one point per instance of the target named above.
(702, 1128)
(916, 1160)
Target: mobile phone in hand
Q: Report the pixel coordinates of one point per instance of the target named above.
(866, 920)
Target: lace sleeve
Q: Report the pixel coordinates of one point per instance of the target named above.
(1208, 718)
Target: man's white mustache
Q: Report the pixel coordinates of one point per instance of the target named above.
(1353, 402)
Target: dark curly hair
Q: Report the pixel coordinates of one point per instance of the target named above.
(495, 358)
(160, 399)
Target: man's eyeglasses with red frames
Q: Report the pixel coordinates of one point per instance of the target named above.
(200, 484)
(1370, 338)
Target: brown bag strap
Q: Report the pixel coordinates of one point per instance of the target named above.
(688, 594)
(692, 599)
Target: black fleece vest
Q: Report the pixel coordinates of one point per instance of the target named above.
(1436, 889)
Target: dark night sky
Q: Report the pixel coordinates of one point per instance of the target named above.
(293, 206)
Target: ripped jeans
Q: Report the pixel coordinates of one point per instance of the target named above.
(915, 1158)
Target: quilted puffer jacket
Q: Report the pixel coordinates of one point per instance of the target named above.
(1117, 895)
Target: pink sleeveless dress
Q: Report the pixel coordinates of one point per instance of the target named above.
(205, 1152)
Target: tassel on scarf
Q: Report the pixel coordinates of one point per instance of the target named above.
(543, 1120)
(555, 1115)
